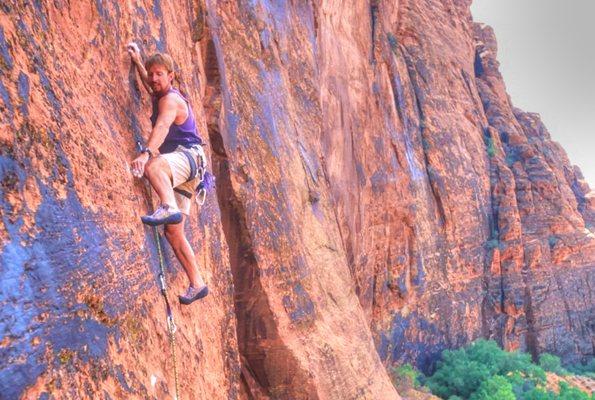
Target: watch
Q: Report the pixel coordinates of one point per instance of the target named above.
(148, 151)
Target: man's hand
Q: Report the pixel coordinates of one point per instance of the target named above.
(138, 165)
(137, 60)
(134, 52)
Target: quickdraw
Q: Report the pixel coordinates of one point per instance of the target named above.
(207, 182)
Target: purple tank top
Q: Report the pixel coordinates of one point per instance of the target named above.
(185, 134)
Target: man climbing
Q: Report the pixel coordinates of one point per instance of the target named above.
(173, 161)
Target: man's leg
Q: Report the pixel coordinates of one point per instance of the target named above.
(177, 239)
(159, 174)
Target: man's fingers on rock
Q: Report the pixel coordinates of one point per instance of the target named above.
(132, 47)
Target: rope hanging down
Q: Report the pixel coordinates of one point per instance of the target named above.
(171, 325)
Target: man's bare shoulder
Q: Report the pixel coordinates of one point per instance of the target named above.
(170, 100)
(173, 97)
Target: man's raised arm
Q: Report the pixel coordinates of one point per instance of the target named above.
(135, 56)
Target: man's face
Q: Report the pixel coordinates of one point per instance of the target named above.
(159, 78)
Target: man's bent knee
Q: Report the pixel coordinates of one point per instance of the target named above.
(154, 166)
(150, 167)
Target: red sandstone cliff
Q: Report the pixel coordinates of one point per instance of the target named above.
(378, 199)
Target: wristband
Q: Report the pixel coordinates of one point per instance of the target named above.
(149, 152)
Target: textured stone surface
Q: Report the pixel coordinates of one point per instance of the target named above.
(378, 199)
(542, 224)
(81, 312)
(301, 329)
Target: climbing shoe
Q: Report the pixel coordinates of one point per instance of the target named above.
(193, 294)
(164, 214)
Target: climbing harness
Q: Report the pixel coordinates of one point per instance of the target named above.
(171, 325)
(205, 178)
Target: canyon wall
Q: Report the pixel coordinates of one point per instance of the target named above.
(379, 199)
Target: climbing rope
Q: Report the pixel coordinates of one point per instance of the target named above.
(171, 325)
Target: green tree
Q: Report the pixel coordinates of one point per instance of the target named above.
(495, 388)
(587, 369)
(456, 375)
(538, 394)
(515, 361)
(552, 363)
(520, 363)
(488, 353)
(568, 392)
(482, 370)
(405, 377)
(461, 372)
(520, 384)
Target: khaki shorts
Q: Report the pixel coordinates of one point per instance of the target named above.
(180, 171)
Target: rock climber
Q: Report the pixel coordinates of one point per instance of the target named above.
(173, 161)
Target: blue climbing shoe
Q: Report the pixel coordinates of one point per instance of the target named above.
(164, 214)
(193, 294)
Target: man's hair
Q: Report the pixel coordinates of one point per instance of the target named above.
(162, 59)
(166, 61)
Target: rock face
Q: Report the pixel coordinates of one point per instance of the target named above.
(378, 199)
(81, 312)
(542, 227)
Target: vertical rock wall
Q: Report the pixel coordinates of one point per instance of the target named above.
(542, 241)
(81, 311)
(301, 329)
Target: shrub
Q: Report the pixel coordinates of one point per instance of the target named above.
(538, 394)
(490, 147)
(550, 362)
(492, 244)
(587, 369)
(405, 377)
(483, 371)
(568, 392)
(520, 385)
(495, 388)
(515, 361)
(461, 372)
